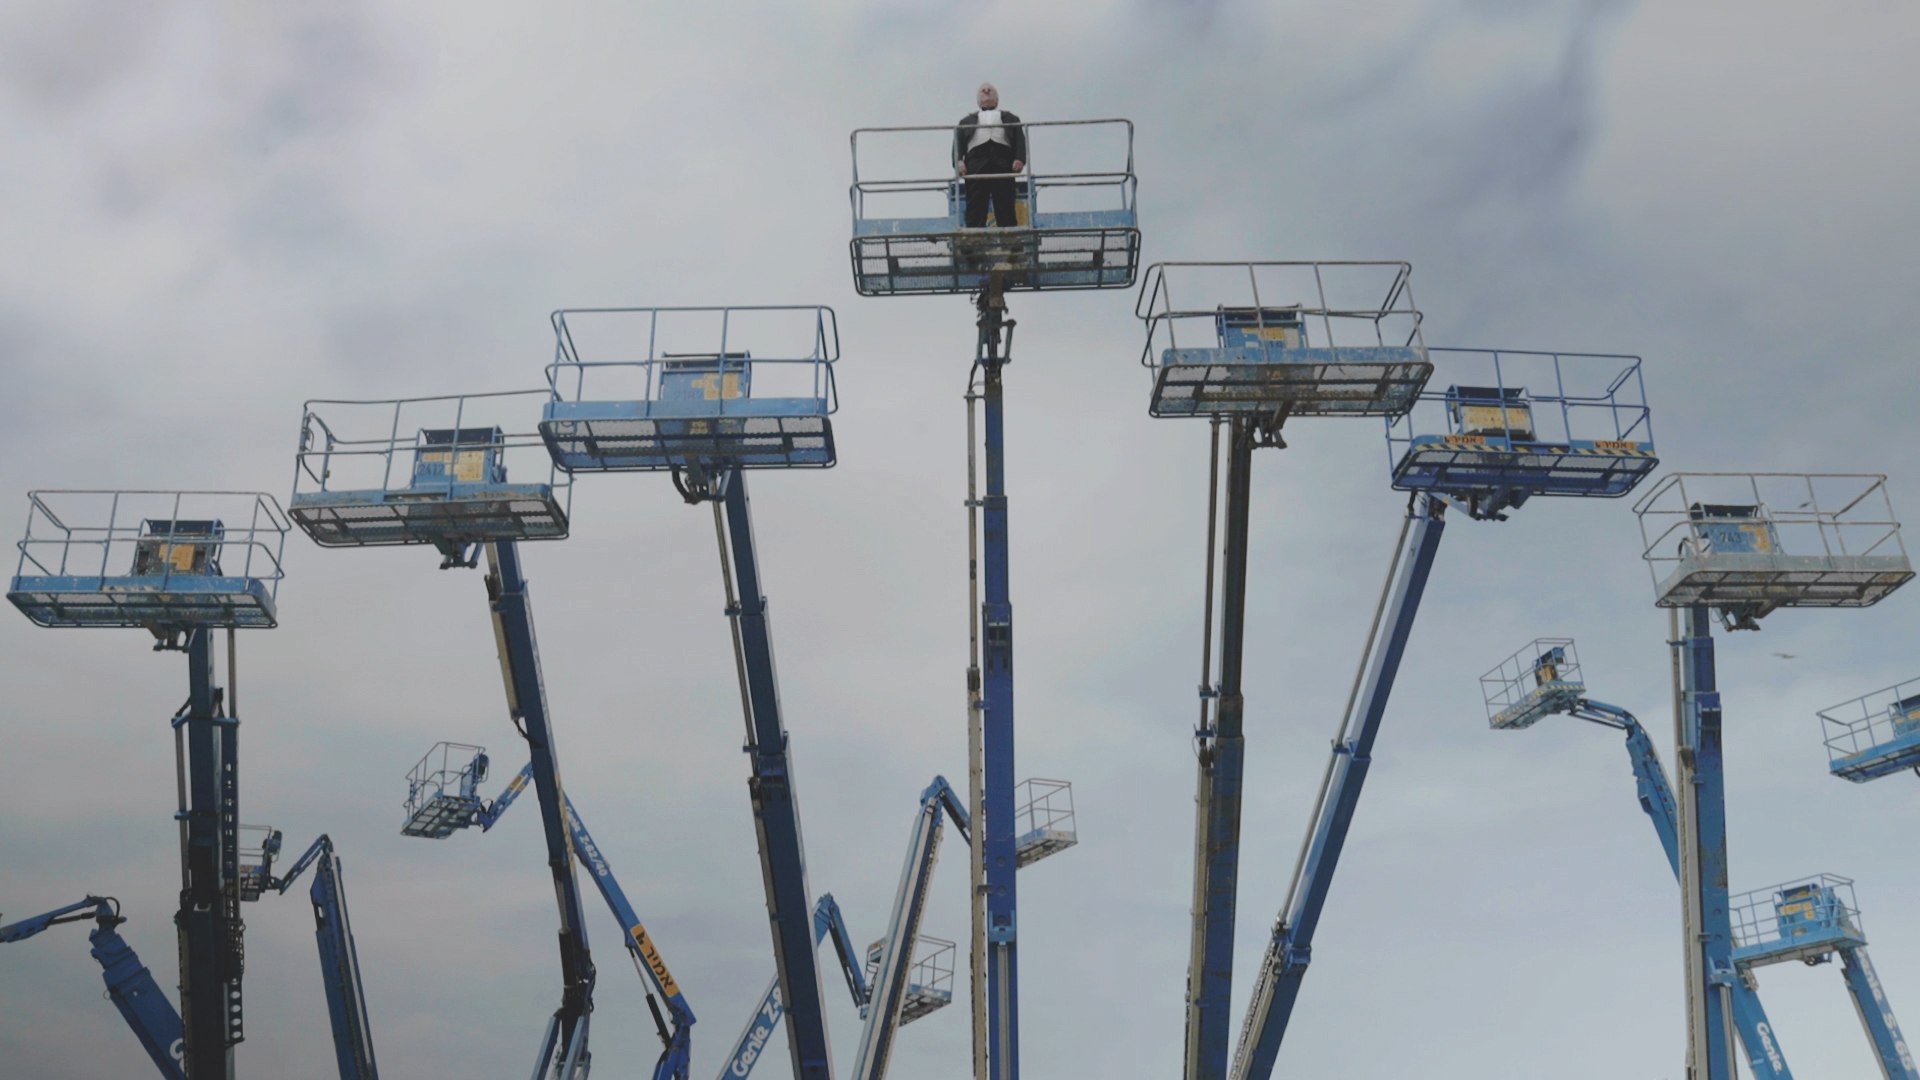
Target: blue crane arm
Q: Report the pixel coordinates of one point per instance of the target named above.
(1649, 776)
(1290, 947)
(827, 923)
(340, 967)
(490, 813)
(776, 804)
(339, 959)
(1876, 1016)
(1764, 1057)
(564, 1047)
(131, 987)
(903, 930)
(678, 1044)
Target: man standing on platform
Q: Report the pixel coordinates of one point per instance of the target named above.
(988, 142)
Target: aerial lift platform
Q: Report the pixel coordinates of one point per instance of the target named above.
(1812, 920)
(726, 390)
(1742, 545)
(1564, 399)
(181, 565)
(1247, 346)
(445, 472)
(1076, 227)
(1544, 679)
(1874, 735)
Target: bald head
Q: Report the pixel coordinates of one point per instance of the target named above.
(988, 96)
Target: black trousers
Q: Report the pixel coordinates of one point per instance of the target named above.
(991, 157)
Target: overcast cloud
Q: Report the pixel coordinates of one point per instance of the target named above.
(216, 210)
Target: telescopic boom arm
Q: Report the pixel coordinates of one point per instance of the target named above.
(154, 1020)
(564, 1054)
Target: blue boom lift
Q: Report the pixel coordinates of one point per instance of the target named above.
(333, 932)
(1811, 920)
(1728, 543)
(130, 985)
(443, 798)
(767, 1016)
(1543, 679)
(910, 237)
(181, 565)
(685, 394)
(894, 998)
(434, 471)
(1270, 341)
(1875, 735)
(1250, 362)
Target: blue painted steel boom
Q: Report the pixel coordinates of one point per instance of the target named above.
(827, 922)
(563, 1053)
(129, 984)
(997, 846)
(677, 1044)
(1221, 752)
(1764, 1057)
(339, 961)
(776, 806)
(903, 928)
(1890, 1050)
(672, 1064)
(1710, 969)
(1291, 946)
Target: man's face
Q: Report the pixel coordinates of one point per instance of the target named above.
(989, 98)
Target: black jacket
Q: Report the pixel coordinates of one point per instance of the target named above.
(1009, 123)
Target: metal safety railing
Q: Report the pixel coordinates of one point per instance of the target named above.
(738, 354)
(923, 198)
(1331, 304)
(1542, 678)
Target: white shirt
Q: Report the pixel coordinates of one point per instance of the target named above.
(989, 130)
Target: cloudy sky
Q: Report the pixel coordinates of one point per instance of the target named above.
(216, 210)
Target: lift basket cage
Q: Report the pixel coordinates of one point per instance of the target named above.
(169, 561)
(438, 470)
(646, 389)
(1541, 679)
(1752, 542)
(1874, 735)
(1282, 338)
(1043, 816)
(1076, 224)
(1499, 426)
(443, 790)
(1800, 920)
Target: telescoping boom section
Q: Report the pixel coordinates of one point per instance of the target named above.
(130, 986)
(1504, 480)
(1543, 679)
(768, 1014)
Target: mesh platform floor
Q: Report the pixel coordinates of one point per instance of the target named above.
(1212, 382)
(378, 518)
(617, 445)
(154, 602)
(1783, 580)
(1025, 260)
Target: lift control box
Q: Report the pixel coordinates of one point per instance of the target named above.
(177, 547)
(706, 378)
(1490, 410)
(1741, 530)
(459, 456)
(1253, 328)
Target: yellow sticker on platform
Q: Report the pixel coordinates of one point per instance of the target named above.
(1615, 444)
